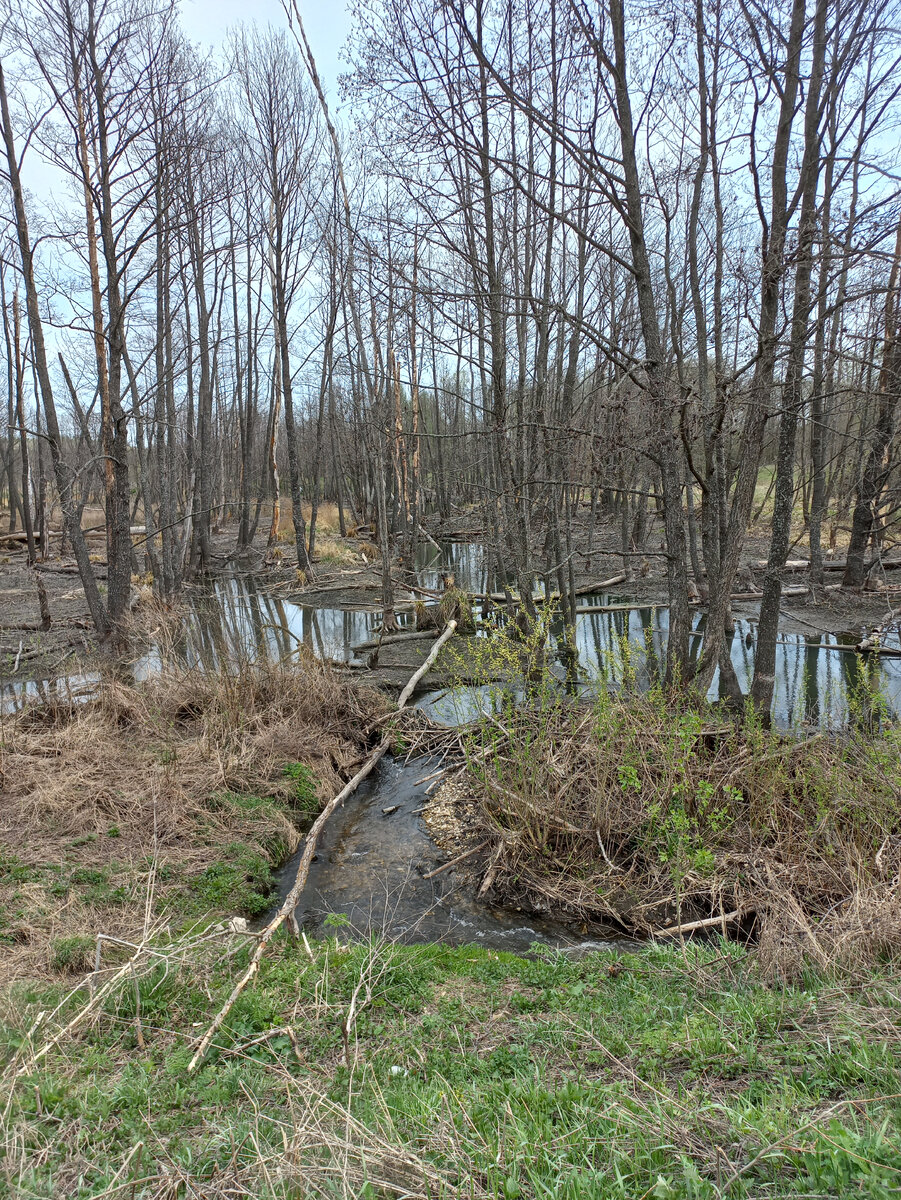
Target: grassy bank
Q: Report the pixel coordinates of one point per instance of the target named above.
(375, 1071)
(163, 802)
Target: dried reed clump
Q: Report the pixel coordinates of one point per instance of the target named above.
(175, 740)
(863, 928)
(632, 812)
(454, 605)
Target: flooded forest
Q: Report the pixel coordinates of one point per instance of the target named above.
(450, 640)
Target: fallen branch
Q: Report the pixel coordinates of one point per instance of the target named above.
(453, 862)
(637, 605)
(286, 912)
(707, 923)
(433, 654)
(420, 636)
(431, 593)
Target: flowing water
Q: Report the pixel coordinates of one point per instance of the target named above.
(371, 864)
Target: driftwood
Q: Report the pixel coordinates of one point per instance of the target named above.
(286, 911)
(453, 862)
(829, 564)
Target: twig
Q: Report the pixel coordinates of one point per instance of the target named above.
(611, 865)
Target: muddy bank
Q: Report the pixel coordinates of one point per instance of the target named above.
(30, 646)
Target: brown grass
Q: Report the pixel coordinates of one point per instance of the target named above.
(626, 812)
(130, 784)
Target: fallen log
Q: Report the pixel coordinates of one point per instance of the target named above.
(829, 564)
(286, 912)
(393, 638)
(583, 609)
(601, 585)
(428, 537)
(417, 675)
(793, 590)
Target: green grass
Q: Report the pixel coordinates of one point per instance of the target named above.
(240, 881)
(464, 1072)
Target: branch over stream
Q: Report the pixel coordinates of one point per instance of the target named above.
(286, 912)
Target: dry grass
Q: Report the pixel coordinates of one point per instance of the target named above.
(337, 553)
(136, 783)
(630, 812)
(327, 521)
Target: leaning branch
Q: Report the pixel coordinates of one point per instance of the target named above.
(286, 912)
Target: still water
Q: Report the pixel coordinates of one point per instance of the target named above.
(236, 619)
(371, 864)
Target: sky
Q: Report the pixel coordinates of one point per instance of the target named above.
(326, 21)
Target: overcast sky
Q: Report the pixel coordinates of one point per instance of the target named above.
(326, 22)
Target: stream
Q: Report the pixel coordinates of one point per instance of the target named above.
(370, 864)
